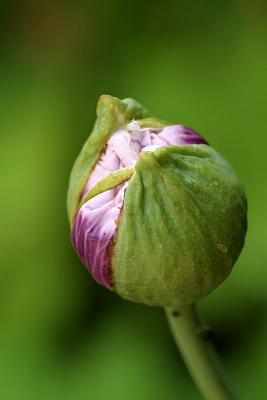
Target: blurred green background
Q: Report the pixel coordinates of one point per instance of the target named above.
(202, 63)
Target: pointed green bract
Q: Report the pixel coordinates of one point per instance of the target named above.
(182, 226)
(109, 182)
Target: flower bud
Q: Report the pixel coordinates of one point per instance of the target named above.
(156, 214)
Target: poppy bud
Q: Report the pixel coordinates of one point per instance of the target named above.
(156, 214)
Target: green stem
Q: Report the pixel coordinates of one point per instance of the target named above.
(198, 353)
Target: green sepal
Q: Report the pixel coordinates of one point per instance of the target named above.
(112, 180)
(112, 114)
(152, 123)
(184, 217)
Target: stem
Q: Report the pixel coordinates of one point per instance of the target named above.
(198, 353)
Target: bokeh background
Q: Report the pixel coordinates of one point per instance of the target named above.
(202, 63)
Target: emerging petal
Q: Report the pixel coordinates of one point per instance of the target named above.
(96, 221)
